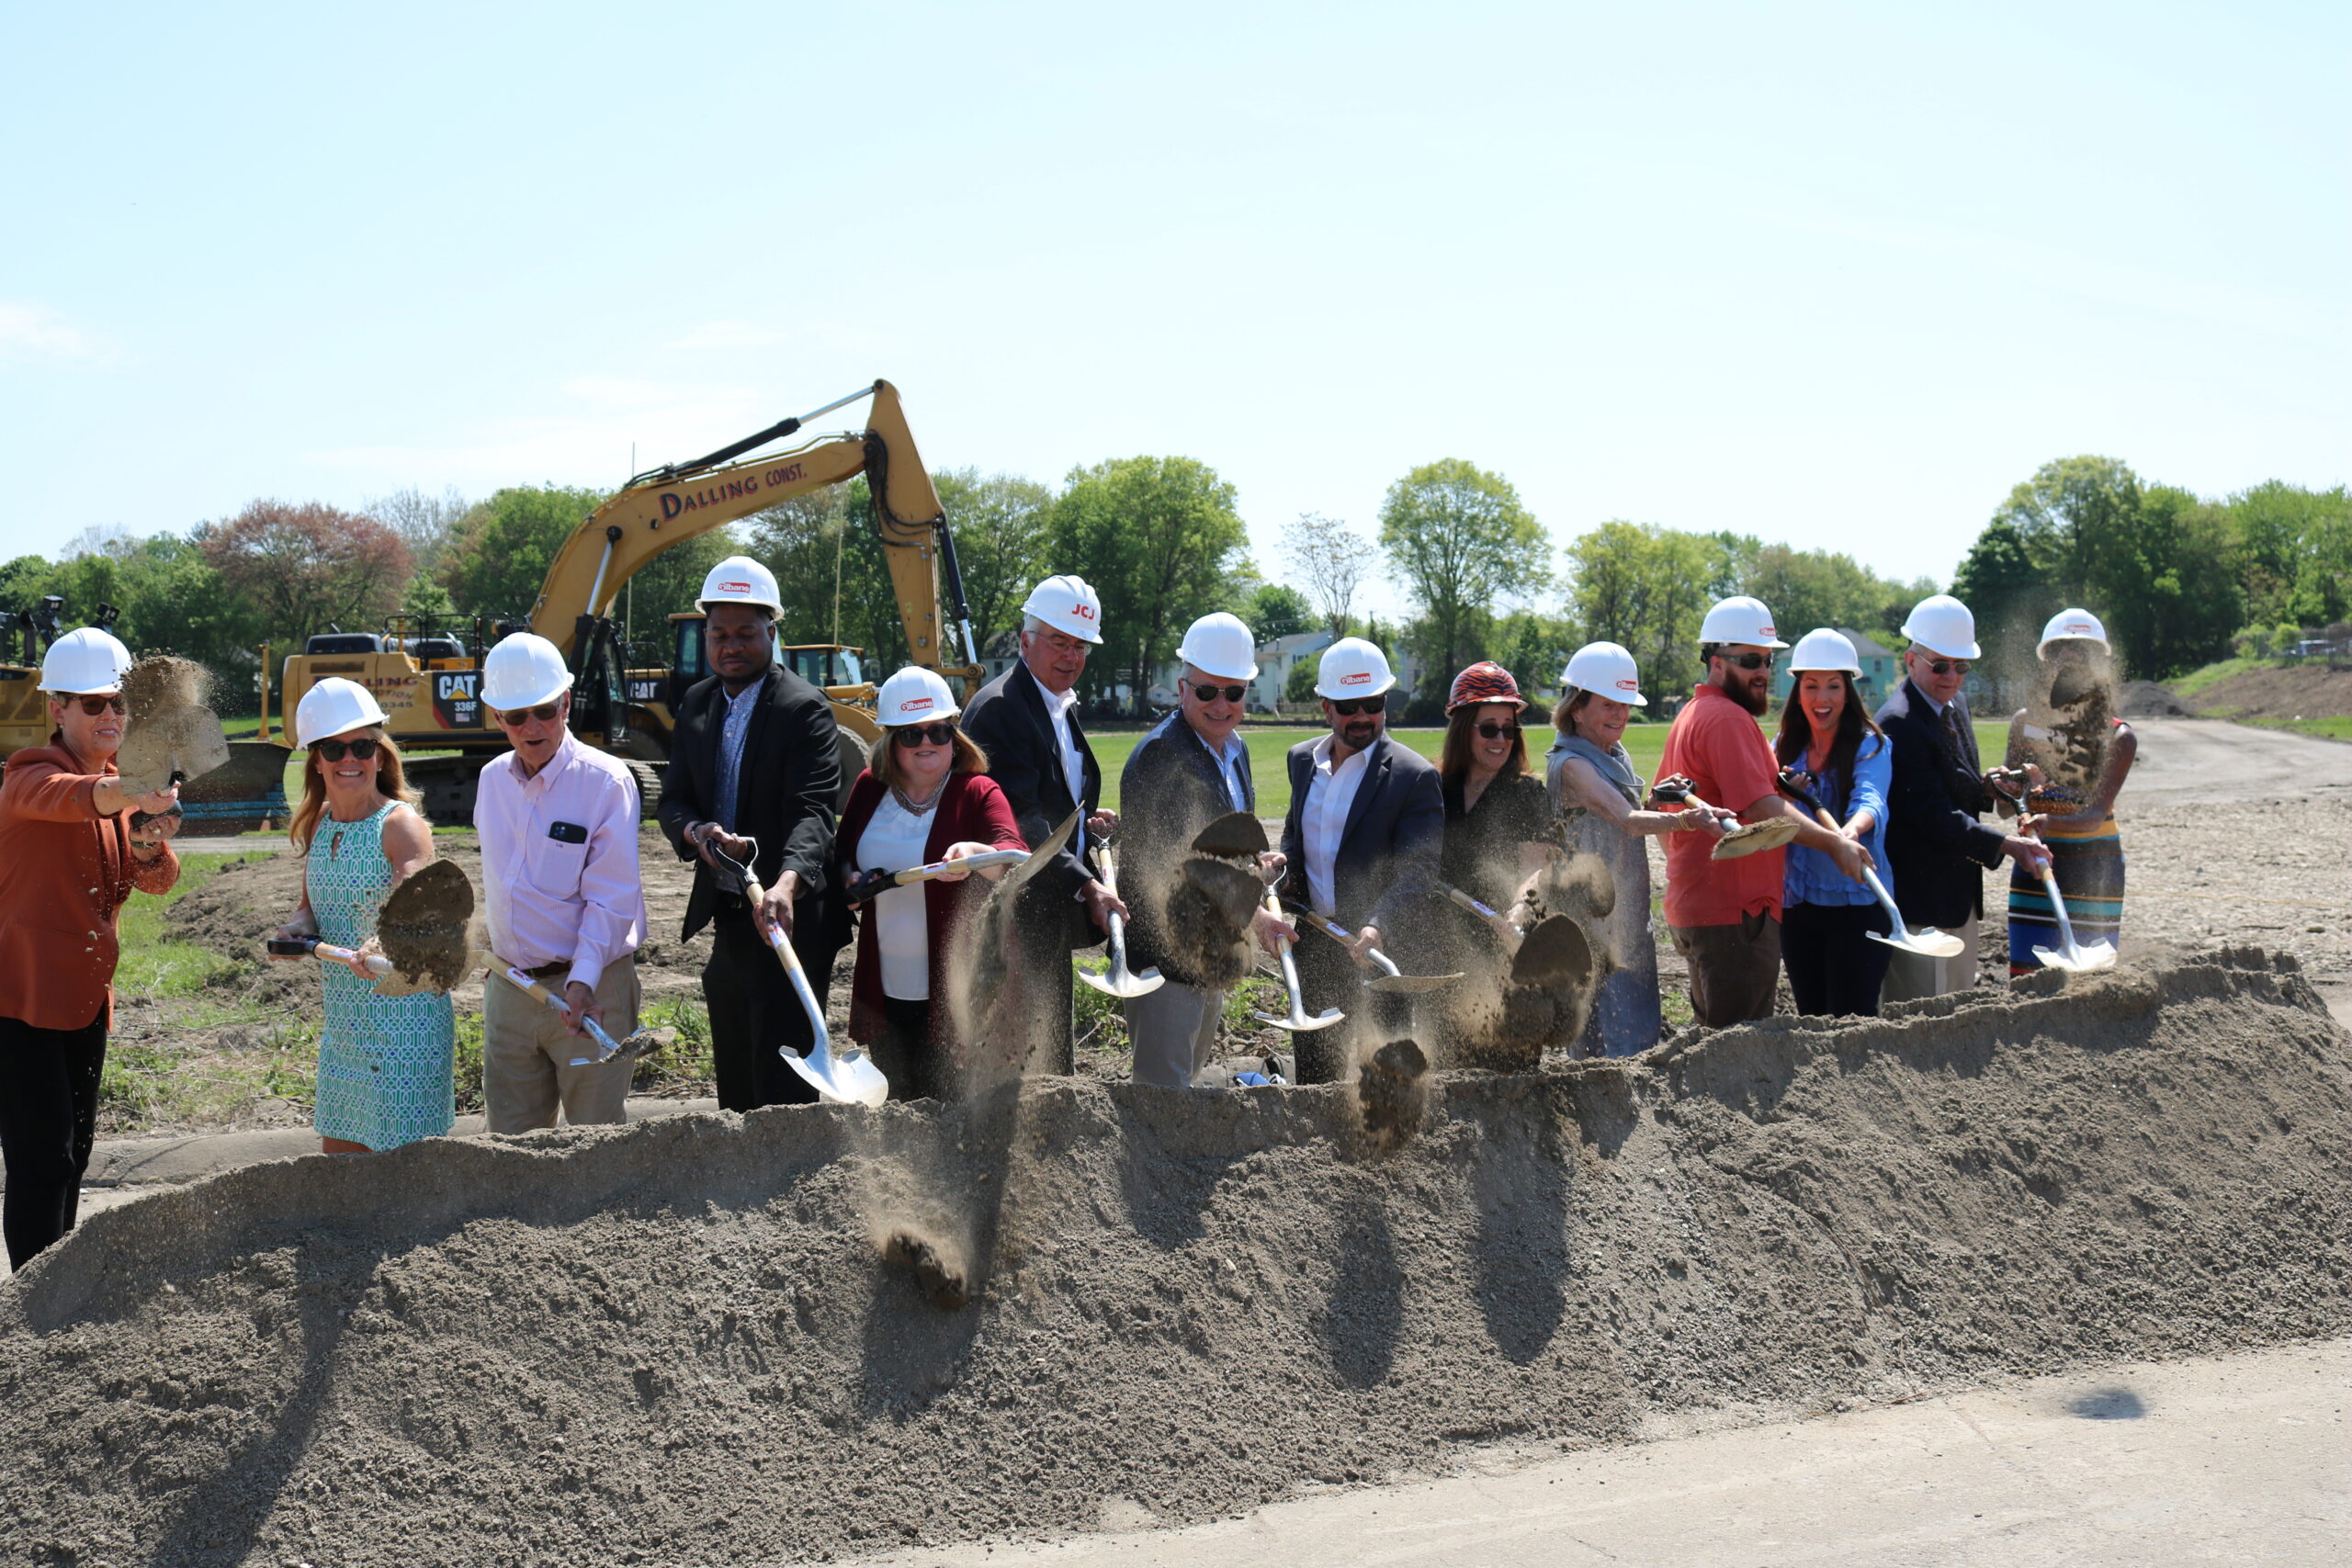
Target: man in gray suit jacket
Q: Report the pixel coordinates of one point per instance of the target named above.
(1189, 771)
(1363, 845)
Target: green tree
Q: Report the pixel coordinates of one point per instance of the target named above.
(1806, 589)
(1159, 540)
(1276, 609)
(1002, 525)
(502, 547)
(1330, 559)
(830, 573)
(1461, 543)
(1646, 589)
(303, 567)
(2294, 547)
(1299, 685)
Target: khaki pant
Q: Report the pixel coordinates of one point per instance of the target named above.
(1912, 976)
(527, 1055)
(1175, 1033)
(1734, 969)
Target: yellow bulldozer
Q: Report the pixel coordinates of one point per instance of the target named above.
(427, 675)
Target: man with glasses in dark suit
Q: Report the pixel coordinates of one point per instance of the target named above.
(1938, 846)
(1725, 915)
(1361, 848)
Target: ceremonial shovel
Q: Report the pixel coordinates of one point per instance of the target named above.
(1392, 982)
(849, 1078)
(2071, 956)
(1553, 955)
(1120, 982)
(1298, 1021)
(1926, 942)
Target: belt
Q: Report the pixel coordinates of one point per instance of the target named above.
(549, 971)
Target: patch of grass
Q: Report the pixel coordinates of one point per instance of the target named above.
(682, 1069)
(156, 963)
(2197, 680)
(145, 1086)
(2336, 728)
(468, 1064)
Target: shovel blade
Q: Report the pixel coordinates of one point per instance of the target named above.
(1301, 1023)
(1123, 983)
(1410, 984)
(2082, 961)
(1236, 893)
(846, 1078)
(1755, 838)
(1926, 942)
(1231, 836)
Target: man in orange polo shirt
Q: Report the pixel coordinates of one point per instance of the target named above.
(68, 862)
(1725, 915)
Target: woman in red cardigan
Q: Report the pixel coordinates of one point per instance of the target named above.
(925, 796)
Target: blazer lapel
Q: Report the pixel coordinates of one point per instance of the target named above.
(1376, 774)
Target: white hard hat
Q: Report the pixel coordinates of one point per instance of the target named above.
(1942, 624)
(1220, 645)
(1067, 604)
(740, 579)
(915, 696)
(1606, 670)
(1824, 649)
(1740, 619)
(523, 671)
(1352, 667)
(335, 707)
(86, 662)
(2071, 624)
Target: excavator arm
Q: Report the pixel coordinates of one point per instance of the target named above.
(663, 508)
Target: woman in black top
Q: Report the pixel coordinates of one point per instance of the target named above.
(1499, 826)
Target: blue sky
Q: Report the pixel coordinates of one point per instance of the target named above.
(1837, 274)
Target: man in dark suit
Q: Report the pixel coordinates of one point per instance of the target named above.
(756, 756)
(1189, 771)
(1362, 846)
(1026, 720)
(1936, 846)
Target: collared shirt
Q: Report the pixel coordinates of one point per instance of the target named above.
(1329, 793)
(1229, 765)
(1718, 746)
(575, 899)
(1073, 764)
(731, 736)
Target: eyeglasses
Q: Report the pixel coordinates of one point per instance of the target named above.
(1746, 661)
(96, 705)
(1209, 693)
(1355, 706)
(1493, 731)
(515, 718)
(1949, 666)
(909, 736)
(364, 750)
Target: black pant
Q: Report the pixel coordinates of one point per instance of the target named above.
(904, 1053)
(1328, 977)
(48, 1117)
(753, 1010)
(1834, 967)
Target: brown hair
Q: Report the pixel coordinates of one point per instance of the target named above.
(1853, 723)
(1453, 760)
(882, 758)
(1572, 702)
(390, 779)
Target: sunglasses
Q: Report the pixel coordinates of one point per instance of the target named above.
(909, 736)
(96, 705)
(1355, 706)
(515, 717)
(1746, 661)
(1949, 666)
(1494, 731)
(334, 751)
(1209, 693)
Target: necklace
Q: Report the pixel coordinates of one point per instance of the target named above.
(908, 804)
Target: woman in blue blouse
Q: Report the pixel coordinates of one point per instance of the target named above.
(1826, 917)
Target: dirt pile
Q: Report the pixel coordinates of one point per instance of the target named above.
(681, 1341)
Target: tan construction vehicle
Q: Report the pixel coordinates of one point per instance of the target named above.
(24, 717)
(428, 677)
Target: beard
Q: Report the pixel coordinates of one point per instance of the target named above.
(1737, 686)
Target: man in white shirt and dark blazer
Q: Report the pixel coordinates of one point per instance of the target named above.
(1362, 846)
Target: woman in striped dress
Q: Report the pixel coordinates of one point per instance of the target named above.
(2085, 753)
(386, 1063)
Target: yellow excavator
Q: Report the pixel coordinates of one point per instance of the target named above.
(428, 675)
(24, 717)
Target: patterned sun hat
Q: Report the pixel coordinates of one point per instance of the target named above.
(1484, 682)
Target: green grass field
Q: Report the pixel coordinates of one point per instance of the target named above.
(1645, 742)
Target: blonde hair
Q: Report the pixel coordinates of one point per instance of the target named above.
(1572, 702)
(392, 779)
(882, 758)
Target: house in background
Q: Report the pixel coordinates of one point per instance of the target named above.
(1881, 671)
(1275, 661)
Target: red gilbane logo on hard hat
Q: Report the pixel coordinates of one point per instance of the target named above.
(1361, 678)
(2078, 628)
(1768, 631)
(1629, 686)
(914, 705)
(734, 588)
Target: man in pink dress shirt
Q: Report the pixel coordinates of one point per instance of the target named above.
(557, 822)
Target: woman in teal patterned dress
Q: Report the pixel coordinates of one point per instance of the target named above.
(385, 1063)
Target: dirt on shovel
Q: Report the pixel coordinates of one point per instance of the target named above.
(1391, 1092)
(427, 930)
(171, 736)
